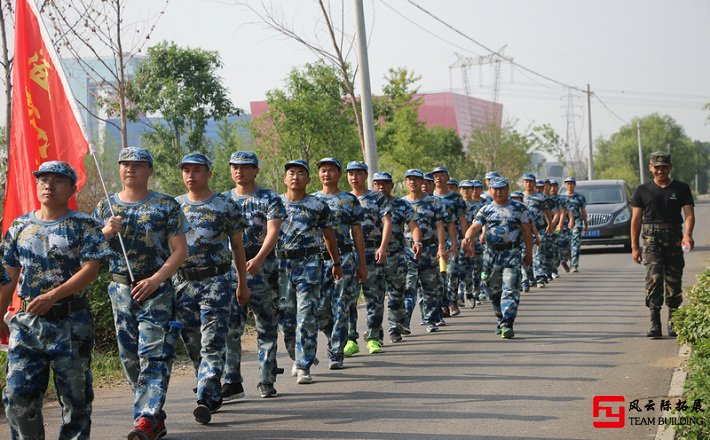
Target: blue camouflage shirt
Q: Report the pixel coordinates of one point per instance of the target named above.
(345, 211)
(574, 204)
(147, 227)
(51, 252)
(455, 207)
(429, 212)
(402, 213)
(537, 204)
(212, 223)
(304, 223)
(504, 224)
(375, 206)
(472, 208)
(258, 208)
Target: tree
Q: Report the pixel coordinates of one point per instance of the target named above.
(6, 12)
(501, 148)
(181, 86)
(309, 119)
(99, 28)
(230, 138)
(617, 156)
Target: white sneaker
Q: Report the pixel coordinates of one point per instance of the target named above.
(540, 285)
(294, 370)
(304, 377)
(575, 269)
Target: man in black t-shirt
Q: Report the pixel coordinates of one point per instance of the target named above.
(656, 214)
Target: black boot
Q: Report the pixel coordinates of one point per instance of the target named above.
(655, 330)
(671, 333)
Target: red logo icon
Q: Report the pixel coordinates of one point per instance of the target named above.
(612, 409)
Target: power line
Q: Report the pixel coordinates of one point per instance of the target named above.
(474, 41)
(609, 109)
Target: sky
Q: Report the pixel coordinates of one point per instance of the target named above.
(638, 56)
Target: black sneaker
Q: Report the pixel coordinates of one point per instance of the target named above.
(395, 337)
(267, 390)
(202, 414)
(232, 391)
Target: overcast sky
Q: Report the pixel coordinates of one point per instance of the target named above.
(639, 56)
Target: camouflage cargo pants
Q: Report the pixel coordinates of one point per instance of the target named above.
(424, 272)
(575, 245)
(299, 296)
(146, 344)
(565, 245)
(374, 292)
(504, 285)
(664, 263)
(396, 280)
(264, 287)
(336, 299)
(36, 344)
(203, 308)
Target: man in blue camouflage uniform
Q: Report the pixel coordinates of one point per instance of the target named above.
(453, 185)
(396, 267)
(55, 253)
(526, 273)
(456, 212)
(376, 228)
(153, 228)
(488, 195)
(423, 270)
(299, 251)
(471, 192)
(506, 224)
(428, 184)
(559, 214)
(204, 283)
(537, 204)
(337, 295)
(575, 205)
(264, 213)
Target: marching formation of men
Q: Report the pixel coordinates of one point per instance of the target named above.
(190, 267)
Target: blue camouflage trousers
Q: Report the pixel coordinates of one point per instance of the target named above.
(203, 309)
(504, 284)
(455, 274)
(539, 268)
(565, 246)
(396, 281)
(549, 249)
(264, 287)
(335, 301)
(36, 344)
(556, 252)
(527, 277)
(146, 344)
(424, 272)
(299, 296)
(575, 245)
(472, 278)
(374, 292)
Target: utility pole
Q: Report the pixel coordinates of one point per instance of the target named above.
(590, 162)
(368, 120)
(638, 137)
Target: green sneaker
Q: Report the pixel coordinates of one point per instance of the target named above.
(374, 346)
(351, 348)
(507, 333)
(498, 331)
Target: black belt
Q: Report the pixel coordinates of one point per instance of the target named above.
(501, 246)
(371, 244)
(126, 279)
(200, 273)
(663, 225)
(429, 242)
(252, 252)
(343, 249)
(61, 309)
(297, 253)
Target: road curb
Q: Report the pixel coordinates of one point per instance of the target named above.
(667, 432)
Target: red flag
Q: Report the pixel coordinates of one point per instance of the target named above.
(46, 124)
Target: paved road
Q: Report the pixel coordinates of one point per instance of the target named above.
(583, 336)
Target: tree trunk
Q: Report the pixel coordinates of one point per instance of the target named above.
(122, 78)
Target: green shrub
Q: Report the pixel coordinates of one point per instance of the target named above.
(692, 323)
(104, 330)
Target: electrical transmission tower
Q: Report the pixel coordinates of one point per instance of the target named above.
(574, 154)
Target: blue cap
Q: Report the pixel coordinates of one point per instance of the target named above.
(356, 165)
(297, 163)
(330, 160)
(491, 175)
(529, 176)
(452, 182)
(546, 180)
(466, 184)
(429, 177)
(196, 158)
(517, 194)
(540, 182)
(477, 183)
(570, 179)
(414, 172)
(135, 154)
(56, 167)
(499, 182)
(554, 182)
(244, 158)
(439, 170)
(382, 176)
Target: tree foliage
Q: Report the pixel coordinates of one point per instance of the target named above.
(501, 148)
(181, 86)
(617, 156)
